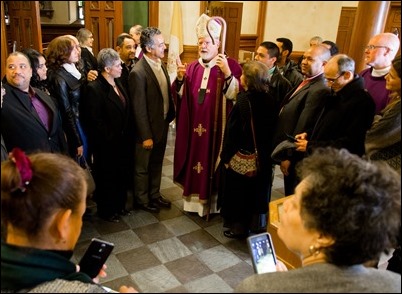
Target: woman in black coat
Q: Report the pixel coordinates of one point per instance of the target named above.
(244, 200)
(105, 115)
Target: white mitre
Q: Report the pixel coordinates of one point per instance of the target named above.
(213, 26)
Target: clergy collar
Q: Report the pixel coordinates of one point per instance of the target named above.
(380, 72)
(209, 64)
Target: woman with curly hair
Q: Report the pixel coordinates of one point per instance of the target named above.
(345, 212)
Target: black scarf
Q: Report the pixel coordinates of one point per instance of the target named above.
(24, 267)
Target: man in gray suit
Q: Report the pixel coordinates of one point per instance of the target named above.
(300, 109)
(153, 109)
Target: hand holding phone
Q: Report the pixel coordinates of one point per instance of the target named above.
(262, 253)
(96, 255)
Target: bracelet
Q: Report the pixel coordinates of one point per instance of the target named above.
(179, 82)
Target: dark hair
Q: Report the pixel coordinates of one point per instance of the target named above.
(273, 49)
(256, 75)
(121, 37)
(286, 45)
(57, 182)
(396, 63)
(58, 51)
(33, 57)
(147, 37)
(356, 202)
(333, 47)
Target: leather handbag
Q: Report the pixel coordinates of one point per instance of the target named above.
(244, 162)
(88, 174)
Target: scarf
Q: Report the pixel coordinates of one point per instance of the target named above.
(70, 67)
(24, 267)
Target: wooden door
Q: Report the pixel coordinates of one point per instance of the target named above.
(232, 13)
(105, 20)
(26, 31)
(393, 23)
(345, 28)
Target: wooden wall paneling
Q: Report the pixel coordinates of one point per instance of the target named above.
(249, 42)
(345, 28)
(25, 24)
(393, 22)
(105, 20)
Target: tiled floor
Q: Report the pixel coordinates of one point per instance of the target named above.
(171, 251)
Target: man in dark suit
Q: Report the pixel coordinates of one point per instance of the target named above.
(153, 108)
(347, 113)
(30, 118)
(300, 109)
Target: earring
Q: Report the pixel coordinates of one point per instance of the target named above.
(314, 250)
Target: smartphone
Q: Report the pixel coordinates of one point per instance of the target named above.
(291, 138)
(262, 253)
(95, 256)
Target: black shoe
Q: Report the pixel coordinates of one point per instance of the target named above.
(150, 207)
(162, 202)
(112, 219)
(124, 212)
(230, 234)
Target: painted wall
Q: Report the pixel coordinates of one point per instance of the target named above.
(60, 16)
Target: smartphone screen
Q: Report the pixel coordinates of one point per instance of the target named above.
(95, 256)
(262, 253)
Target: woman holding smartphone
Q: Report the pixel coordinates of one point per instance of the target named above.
(43, 199)
(344, 214)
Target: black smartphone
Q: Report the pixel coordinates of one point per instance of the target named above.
(291, 138)
(262, 253)
(95, 256)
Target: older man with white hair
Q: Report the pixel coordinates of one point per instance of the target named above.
(210, 86)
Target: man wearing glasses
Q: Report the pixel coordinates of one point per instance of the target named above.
(347, 114)
(379, 53)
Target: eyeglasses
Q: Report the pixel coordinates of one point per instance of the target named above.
(372, 47)
(331, 81)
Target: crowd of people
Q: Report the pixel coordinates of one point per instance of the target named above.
(114, 109)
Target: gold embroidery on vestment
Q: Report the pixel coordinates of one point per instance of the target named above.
(200, 130)
(198, 167)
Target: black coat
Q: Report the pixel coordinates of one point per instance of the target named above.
(66, 89)
(21, 126)
(107, 124)
(241, 197)
(345, 119)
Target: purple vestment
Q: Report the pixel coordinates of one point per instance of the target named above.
(196, 134)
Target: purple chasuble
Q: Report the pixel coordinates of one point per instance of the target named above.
(195, 132)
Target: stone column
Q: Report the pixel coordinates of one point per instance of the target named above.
(371, 17)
